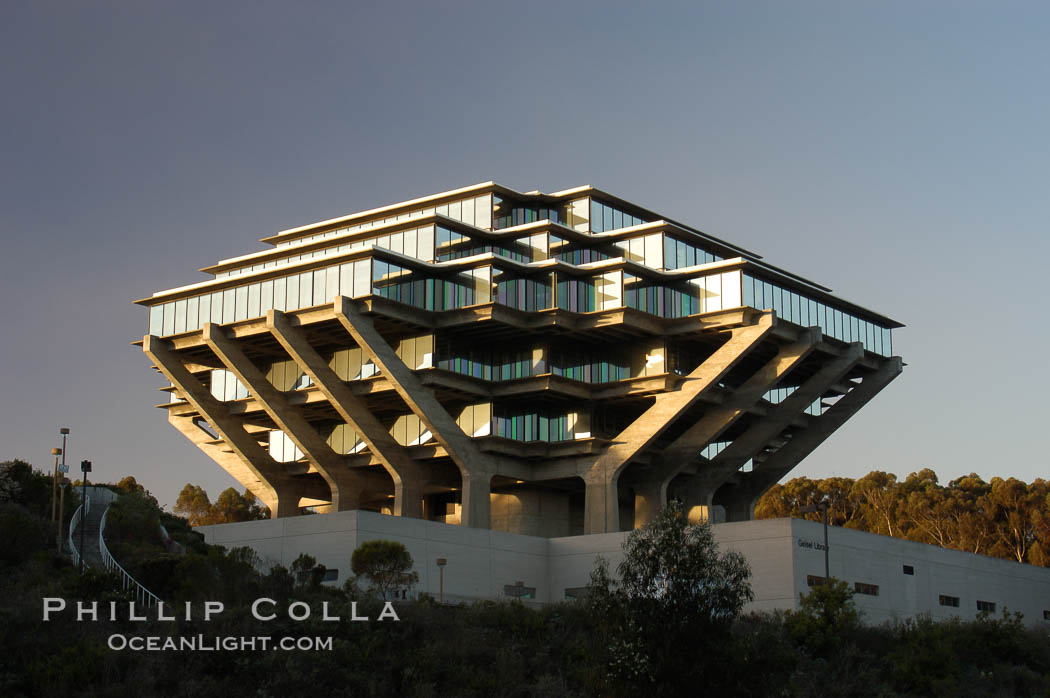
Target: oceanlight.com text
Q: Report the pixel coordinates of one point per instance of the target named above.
(216, 643)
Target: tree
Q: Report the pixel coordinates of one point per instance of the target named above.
(230, 507)
(826, 614)
(386, 564)
(193, 503)
(306, 571)
(675, 566)
(666, 621)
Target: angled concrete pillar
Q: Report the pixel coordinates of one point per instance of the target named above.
(408, 476)
(274, 486)
(741, 499)
(345, 485)
(460, 448)
(780, 416)
(687, 447)
(602, 476)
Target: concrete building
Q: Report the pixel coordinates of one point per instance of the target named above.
(543, 364)
(893, 579)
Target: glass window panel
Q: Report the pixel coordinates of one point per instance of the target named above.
(467, 215)
(652, 251)
(362, 278)
(749, 292)
(317, 296)
(731, 289)
(229, 305)
(346, 279)
(596, 217)
(192, 310)
(425, 243)
(204, 314)
(617, 220)
(156, 320)
(331, 286)
(169, 318)
(306, 289)
(254, 299)
(216, 307)
(265, 296)
(292, 297)
(280, 293)
(409, 238)
(455, 210)
(241, 303)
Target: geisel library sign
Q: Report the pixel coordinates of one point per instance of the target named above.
(544, 364)
(811, 544)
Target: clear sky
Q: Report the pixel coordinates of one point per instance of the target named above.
(894, 151)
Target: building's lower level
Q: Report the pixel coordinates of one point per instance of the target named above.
(894, 579)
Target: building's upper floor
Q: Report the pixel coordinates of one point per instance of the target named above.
(580, 250)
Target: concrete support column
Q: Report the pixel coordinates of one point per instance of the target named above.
(408, 497)
(739, 502)
(649, 499)
(477, 491)
(601, 504)
(282, 500)
(696, 500)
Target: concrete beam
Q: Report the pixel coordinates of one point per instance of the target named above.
(464, 453)
(741, 499)
(279, 491)
(780, 417)
(345, 486)
(716, 420)
(603, 473)
(408, 476)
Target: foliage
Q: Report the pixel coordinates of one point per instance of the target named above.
(616, 643)
(1004, 518)
(386, 564)
(230, 507)
(676, 597)
(307, 572)
(826, 614)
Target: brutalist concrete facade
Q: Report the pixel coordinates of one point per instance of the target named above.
(544, 364)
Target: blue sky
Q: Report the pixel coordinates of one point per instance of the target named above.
(894, 151)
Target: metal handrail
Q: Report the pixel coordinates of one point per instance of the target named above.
(78, 520)
(142, 594)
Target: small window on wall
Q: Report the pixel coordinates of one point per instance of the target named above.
(908, 569)
(330, 575)
(814, 581)
(952, 601)
(518, 590)
(1046, 615)
(986, 606)
(577, 593)
(867, 589)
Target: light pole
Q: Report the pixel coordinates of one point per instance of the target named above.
(441, 562)
(822, 506)
(56, 452)
(61, 504)
(85, 467)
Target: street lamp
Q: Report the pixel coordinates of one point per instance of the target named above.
(441, 562)
(56, 452)
(64, 432)
(822, 506)
(61, 507)
(85, 467)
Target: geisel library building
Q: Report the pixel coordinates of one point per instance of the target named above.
(500, 373)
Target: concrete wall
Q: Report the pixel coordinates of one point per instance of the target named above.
(781, 552)
(872, 559)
